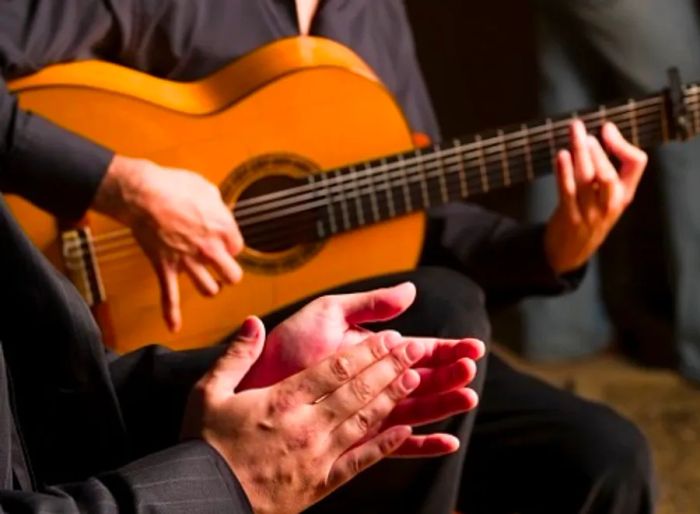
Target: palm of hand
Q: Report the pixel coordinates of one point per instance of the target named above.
(314, 333)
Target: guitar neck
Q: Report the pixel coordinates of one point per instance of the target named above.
(382, 189)
(370, 192)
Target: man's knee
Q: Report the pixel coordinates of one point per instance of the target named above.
(448, 304)
(612, 460)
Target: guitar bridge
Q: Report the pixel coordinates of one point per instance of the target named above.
(80, 262)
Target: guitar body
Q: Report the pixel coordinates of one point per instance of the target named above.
(295, 107)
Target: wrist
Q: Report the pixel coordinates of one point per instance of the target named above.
(118, 192)
(552, 249)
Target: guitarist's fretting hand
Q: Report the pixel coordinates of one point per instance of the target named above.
(180, 221)
(592, 194)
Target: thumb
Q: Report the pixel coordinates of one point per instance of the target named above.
(239, 357)
(377, 305)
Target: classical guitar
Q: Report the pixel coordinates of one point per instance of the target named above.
(315, 159)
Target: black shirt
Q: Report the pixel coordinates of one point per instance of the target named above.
(175, 39)
(189, 39)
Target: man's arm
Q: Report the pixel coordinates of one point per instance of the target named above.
(189, 477)
(177, 216)
(53, 168)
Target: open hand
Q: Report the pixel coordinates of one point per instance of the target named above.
(330, 323)
(180, 221)
(292, 443)
(592, 194)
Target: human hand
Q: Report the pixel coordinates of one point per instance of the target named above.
(322, 327)
(292, 443)
(330, 323)
(180, 221)
(592, 194)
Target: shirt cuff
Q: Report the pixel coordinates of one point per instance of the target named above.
(53, 168)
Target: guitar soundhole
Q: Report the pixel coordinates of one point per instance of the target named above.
(276, 213)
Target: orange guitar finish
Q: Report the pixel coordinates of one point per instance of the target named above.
(303, 96)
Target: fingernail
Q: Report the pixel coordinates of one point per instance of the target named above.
(392, 339)
(414, 351)
(410, 380)
(248, 330)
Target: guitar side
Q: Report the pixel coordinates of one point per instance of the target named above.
(302, 97)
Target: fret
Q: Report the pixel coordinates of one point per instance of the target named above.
(359, 209)
(320, 228)
(405, 186)
(602, 114)
(632, 112)
(442, 174)
(696, 115)
(389, 190)
(504, 159)
(552, 143)
(463, 187)
(344, 211)
(422, 178)
(483, 172)
(664, 124)
(329, 204)
(529, 170)
(372, 192)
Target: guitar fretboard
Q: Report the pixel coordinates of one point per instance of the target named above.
(373, 191)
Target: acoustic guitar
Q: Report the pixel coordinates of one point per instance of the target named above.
(314, 157)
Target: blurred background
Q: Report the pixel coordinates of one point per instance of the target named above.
(623, 340)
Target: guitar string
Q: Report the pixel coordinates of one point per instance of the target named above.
(494, 154)
(517, 168)
(490, 155)
(691, 95)
(281, 232)
(530, 134)
(540, 133)
(517, 149)
(491, 175)
(272, 233)
(600, 115)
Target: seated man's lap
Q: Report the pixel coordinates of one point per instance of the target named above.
(536, 448)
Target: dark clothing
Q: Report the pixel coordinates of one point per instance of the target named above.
(184, 40)
(68, 415)
(138, 400)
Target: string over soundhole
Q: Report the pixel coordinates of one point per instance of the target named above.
(275, 214)
(277, 211)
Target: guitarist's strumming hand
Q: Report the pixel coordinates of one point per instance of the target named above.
(180, 221)
(332, 323)
(592, 194)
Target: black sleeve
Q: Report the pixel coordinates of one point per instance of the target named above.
(190, 477)
(506, 258)
(52, 167)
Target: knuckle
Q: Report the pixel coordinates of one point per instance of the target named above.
(341, 368)
(362, 390)
(354, 464)
(398, 361)
(396, 392)
(282, 401)
(378, 347)
(363, 421)
(642, 157)
(203, 391)
(299, 439)
(387, 445)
